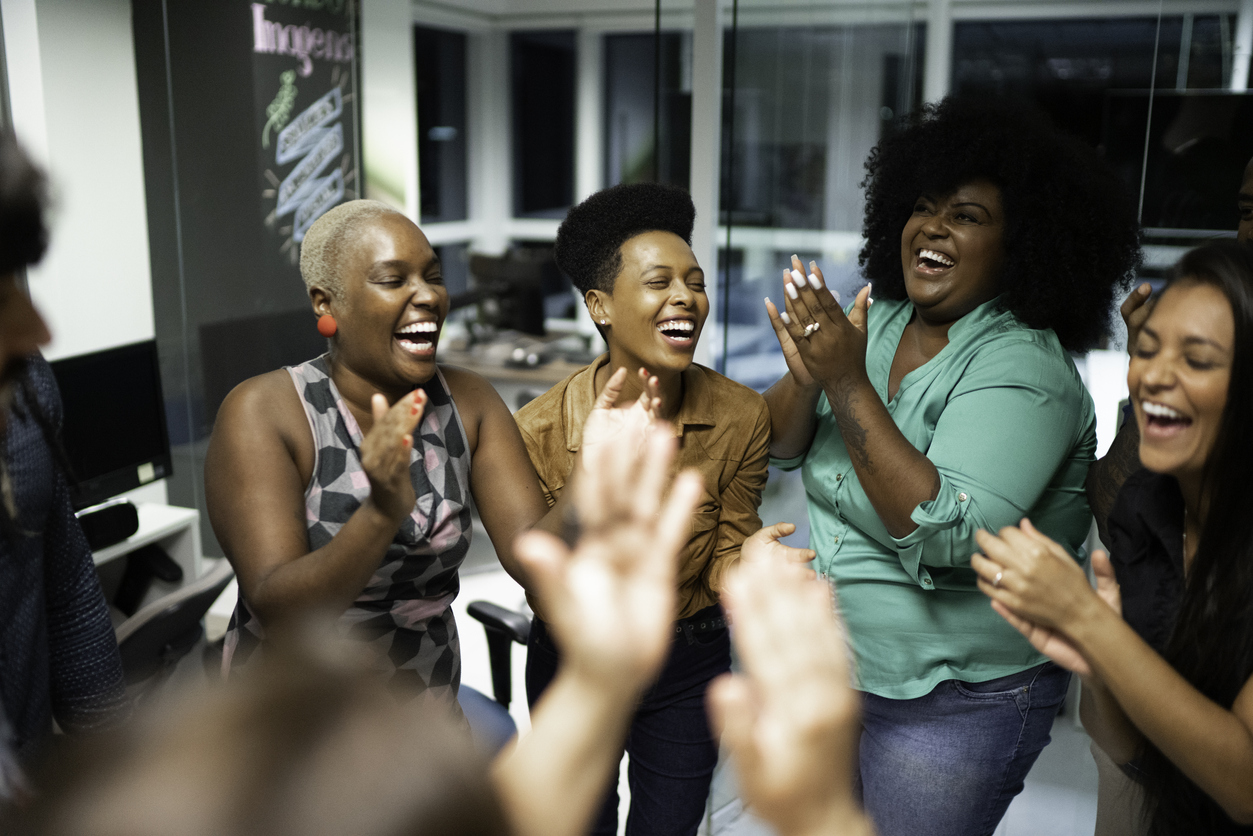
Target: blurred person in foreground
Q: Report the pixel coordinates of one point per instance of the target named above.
(58, 655)
(311, 747)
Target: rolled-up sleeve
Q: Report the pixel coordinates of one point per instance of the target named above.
(1009, 425)
(738, 519)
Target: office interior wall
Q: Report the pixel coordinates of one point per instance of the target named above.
(71, 70)
(389, 110)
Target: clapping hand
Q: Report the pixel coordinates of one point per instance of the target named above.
(820, 343)
(386, 449)
(1038, 588)
(610, 425)
(610, 603)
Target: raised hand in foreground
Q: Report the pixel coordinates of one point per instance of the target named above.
(790, 720)
(610, 604)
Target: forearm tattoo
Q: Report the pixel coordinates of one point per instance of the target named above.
(844, 407)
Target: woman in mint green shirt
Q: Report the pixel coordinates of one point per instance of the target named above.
(995, 245)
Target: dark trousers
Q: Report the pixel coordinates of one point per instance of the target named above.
(673, 752)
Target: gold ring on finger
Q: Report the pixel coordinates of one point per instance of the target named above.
(996, 582)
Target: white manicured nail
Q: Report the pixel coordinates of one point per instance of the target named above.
(814, 282)
(797, 278)
(791, 290)
(787, 320)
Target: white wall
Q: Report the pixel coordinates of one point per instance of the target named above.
(388, 111)
(71, 68)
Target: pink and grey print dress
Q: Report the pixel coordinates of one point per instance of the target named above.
(404, 612)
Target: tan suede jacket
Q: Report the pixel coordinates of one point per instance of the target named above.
(724, 433)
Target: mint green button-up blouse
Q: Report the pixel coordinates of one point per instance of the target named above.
(1003, 415)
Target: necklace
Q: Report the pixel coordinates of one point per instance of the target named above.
(1185, 539)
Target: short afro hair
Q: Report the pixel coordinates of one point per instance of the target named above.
(1071, 237)
(23, 200)
(325, 240)
(589, 241)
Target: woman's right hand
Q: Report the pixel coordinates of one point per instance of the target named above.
(385, 453)
(794, 283)
(795, 364)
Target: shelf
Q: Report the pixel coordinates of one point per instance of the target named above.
(156, 522)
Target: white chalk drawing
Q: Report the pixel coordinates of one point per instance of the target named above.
(307, 129)
(323, 173)
(297, 185)
(324, 194)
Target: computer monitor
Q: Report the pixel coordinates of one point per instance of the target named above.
(1188, 171)
(114, 429)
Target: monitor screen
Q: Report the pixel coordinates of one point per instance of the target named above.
(114, 427)
(1188, 169)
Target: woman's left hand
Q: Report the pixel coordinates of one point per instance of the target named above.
(1036, 579)
(765, 545)
(831, 345)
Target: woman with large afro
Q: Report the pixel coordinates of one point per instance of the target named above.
(995, 246)
(628, 249)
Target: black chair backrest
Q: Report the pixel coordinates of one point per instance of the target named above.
(157, 636)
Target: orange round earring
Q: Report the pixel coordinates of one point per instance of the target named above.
(327, 326)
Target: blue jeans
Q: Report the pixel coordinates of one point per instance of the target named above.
(949, 763)
(673, 752)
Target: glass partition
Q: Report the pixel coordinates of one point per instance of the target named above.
(249, 120)
(806, 96)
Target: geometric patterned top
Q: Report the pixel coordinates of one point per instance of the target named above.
(405, 611)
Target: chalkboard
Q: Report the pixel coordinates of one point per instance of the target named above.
(250, 129)
(302, 60)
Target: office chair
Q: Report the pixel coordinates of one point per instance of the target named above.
(489, 719)
(155, 638)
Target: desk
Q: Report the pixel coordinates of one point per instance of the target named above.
(176, 530)
(511, 381)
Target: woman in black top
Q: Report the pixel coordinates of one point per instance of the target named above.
(1169, 688)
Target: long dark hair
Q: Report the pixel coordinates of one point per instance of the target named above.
(1212, 641)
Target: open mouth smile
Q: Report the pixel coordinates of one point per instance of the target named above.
(679, 333)
(418, 338)
(932, 262)
(1161, 421)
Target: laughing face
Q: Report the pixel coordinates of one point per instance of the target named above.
(658, 305)
(1178, 377)
(952, 251)
(392, 305)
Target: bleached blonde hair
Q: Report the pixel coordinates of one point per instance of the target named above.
(325, 240)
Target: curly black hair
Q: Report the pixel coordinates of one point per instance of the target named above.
(589, 241)
(23, 198)
(1071, 235)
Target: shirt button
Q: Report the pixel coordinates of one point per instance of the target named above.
(839, 476)
(926, 581)
(961, 497)
(837, 538)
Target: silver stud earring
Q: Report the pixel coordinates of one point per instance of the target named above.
(604, 322)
